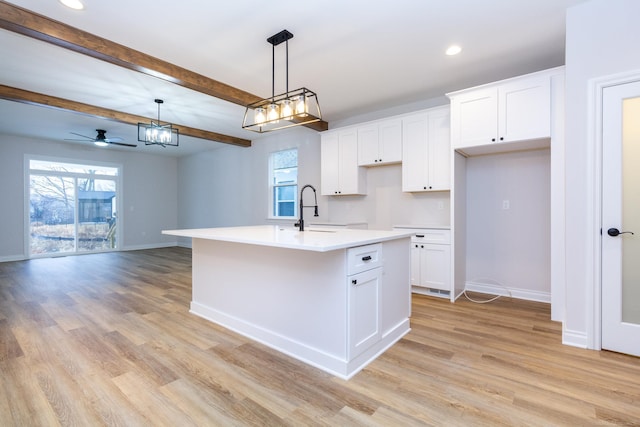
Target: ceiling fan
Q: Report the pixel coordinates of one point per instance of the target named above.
(101, 140)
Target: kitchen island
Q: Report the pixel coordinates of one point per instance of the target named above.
(335, 299)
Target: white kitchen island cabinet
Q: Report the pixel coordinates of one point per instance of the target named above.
(332, 299)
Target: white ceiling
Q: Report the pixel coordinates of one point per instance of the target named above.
(358, 56)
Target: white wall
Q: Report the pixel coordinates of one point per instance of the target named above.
(509, 247)
(602, 39)
(229, 186)
(149, 195)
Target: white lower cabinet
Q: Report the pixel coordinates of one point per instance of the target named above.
(364, 310)
(431, 262)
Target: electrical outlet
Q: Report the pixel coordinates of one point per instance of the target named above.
(506, 205)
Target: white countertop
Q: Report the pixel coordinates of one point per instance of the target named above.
(312, 239)
(423, 226)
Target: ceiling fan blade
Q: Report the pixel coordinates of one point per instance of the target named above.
(84, 136)
(114, 139)
(124, 144)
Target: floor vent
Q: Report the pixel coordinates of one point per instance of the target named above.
(438, 292)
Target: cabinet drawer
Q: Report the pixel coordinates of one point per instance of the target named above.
(364, 258)
(432, 235)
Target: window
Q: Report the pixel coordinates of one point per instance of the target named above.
(72, 207)
(283, 183)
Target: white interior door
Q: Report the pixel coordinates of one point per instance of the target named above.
(621, 218)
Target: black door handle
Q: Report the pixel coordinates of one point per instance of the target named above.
(613, 232)
(366, 258)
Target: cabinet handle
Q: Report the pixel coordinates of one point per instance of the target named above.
(422, 246)
(380, 159)
(493, 140)
(419, 235)
(366, 258)
(416, 246)
(354, 282)
(501, 138)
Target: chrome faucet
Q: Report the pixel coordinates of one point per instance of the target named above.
(302, 206)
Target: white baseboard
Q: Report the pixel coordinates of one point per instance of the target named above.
(12, 258)
(574, 338)
(493, 289)
(149, 246)
(333, 364)
(127, 248)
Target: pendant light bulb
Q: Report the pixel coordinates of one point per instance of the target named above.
(286, 109)
(273, 112)
(259, 115)
(301, 106)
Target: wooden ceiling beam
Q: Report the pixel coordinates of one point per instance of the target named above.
(33, 98)
(40, 27)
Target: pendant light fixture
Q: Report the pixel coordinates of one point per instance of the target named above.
(156, 133)
(292, 108)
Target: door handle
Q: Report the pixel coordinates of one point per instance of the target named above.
(613, 232)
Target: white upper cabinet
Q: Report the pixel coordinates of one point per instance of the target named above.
(380, 143)
(420, 141)
(518, 109)
(340, 174)
(426, 152)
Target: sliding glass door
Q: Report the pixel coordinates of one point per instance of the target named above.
(72, 208)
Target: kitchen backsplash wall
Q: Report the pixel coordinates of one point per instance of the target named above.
(385, 205)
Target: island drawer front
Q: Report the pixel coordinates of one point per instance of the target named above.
(363, 258)
(437, 236)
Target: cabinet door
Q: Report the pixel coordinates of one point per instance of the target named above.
(435, 267)
(364, 310)
(415, 135)
(351, 178)
(329, 164)
(474, 118)
(368, 145)
(390, 141)
(524, 109)
(439, 151)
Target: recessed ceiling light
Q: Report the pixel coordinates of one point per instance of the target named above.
(73, 4)
(453, 50)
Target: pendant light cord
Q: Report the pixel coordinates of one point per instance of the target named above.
(273, 71)
(287, 64)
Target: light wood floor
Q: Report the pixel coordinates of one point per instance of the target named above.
(107, 339)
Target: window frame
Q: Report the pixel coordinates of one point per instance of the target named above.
(272, 187)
